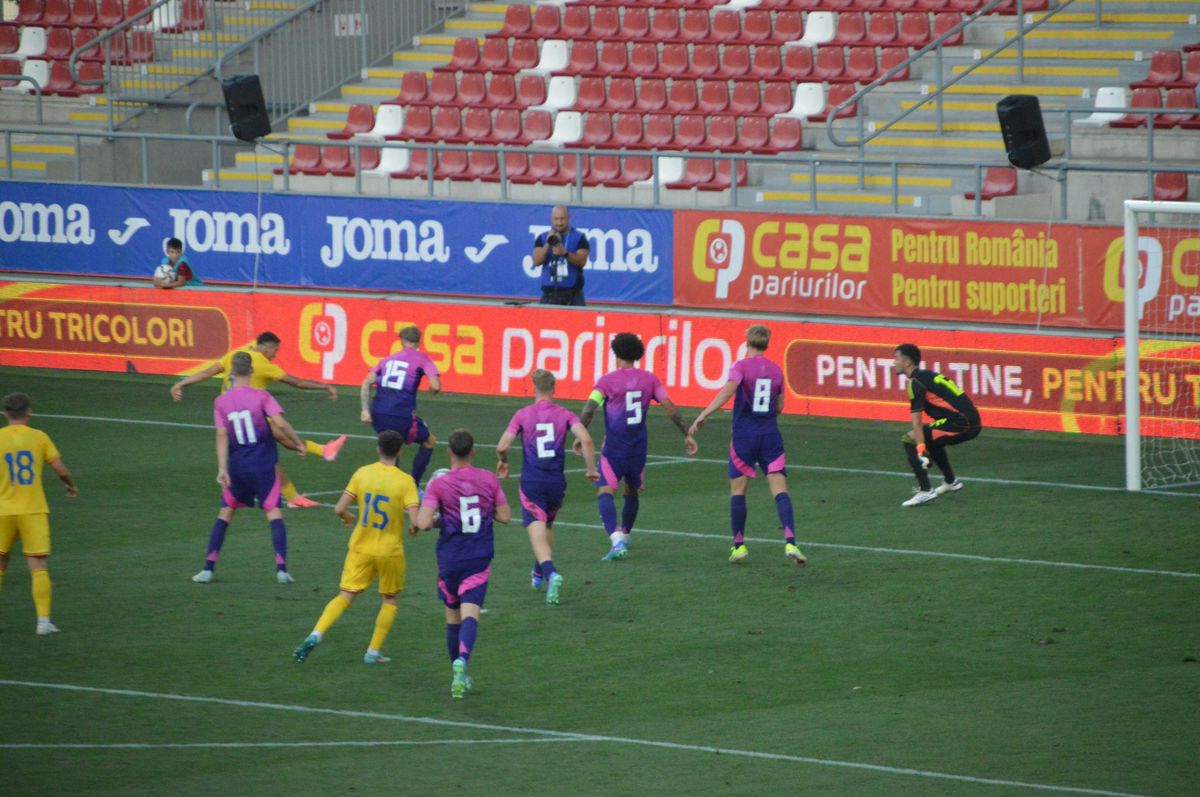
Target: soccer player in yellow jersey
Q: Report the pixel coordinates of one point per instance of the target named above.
(262, 354)
(384, 494)
(23, 509)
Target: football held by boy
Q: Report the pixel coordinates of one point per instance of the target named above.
(955, 420)
(756, 385)
(543, 428)
(626, 394)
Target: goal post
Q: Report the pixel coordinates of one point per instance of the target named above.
(1162, 344)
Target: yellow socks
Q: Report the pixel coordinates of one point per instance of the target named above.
(2, 579)
(313, 449)
(289, 491)
(333, 611)
(383, 624)
(41, 593)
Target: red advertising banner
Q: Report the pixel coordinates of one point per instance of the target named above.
(1059, 275)
(1018, 380)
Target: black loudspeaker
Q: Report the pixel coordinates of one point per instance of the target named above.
(247, 110)
(1023, 130)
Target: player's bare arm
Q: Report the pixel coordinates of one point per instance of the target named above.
(588, 447)
(222, 456)
(284, 433)
(506, 440)
(689, 442)
(341, 508)
(364, 397)
(585, 418)
(207, 373)
(414, 512)
(65, 475)
(424, 520)
(435, 383)
(503, 514)
(309, 384)
(718, 401)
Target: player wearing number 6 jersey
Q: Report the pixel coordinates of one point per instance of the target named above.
(248, 420)
(469, 500)
(396, 380)
(385, 494)
(955, 420)
(756, 385)
(23, 508)
(543, 428)
(626, 394)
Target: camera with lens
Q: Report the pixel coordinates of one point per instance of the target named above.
(553, 239)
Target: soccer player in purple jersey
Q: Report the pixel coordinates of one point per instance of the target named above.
(626, 394)
(469, 500)
(248, 421)
(756, 385)
(396, 380)
(543, 427)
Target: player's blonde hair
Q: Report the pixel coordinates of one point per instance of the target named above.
(544, 381)
(411, 334)
(758, 337)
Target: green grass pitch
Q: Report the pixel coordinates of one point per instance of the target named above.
(1035, 633)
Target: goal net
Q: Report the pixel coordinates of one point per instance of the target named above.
(1162, 345)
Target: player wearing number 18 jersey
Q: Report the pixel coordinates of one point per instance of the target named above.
(543, 428)
(396, 380)
(756, 385)
(955, 421)
(626, 394)
(469, 500)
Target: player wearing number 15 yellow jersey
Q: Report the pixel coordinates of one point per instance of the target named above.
(385, 494)
(23, 508)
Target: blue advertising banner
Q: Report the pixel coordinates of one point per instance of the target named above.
(376, 244)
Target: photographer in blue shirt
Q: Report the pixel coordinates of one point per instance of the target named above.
(561, 252)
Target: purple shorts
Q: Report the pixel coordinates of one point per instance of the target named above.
(410, 427)
(245, 488)
(541, 501)
(748, 452)
(629, 468)
(463, 581)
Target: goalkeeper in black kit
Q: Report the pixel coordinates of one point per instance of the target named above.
(954, 420)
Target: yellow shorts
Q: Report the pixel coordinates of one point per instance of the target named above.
(33, 529)
(360, 570)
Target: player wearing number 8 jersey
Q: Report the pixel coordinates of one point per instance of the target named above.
(543, 428)
(756, 385)
(955, 420)
(248, 420)
(23, 508)
(396, 380)
(626, 394)
(469, 500)
(385, 494)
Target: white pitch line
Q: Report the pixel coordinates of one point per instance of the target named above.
(586, 737)
(908, 552)
(666, 459)
(249, 745)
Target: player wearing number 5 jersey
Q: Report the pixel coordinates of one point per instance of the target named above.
(543, 428)
(469, 500)
(385, 494)
(248, 421)
(955, 420)
(626, 394)
(396, 380)
(23, 508)
(756, 385)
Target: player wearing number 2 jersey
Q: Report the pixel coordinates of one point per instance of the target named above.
(955, 420)
(396, 380)
(248, 419)
(756, 385)
(543, 428)
(626, 394)
(469, 500)
(385, 494)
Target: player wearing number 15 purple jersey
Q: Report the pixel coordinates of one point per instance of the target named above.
(396, 380)
(543, 427)
(756, 385)
(248, 419)
(626, 394)
(469, 500)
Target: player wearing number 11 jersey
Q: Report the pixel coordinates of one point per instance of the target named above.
(756, 385)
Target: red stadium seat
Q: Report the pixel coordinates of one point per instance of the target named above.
(851, 28)
(651, 95)
(1166, 66)
(10, 67)
(447, 124)
(714, 97)
(722, 132)
(584, 59)
(443, 89)
(660, 131)
(695, 27)
(472, 89)
(29, 12)
(482, 165)
(83, 14)
(695, 173)
(745, 98)
(452, 165)
(786, 136)
(304, 156)
(477, 124)
(531, 91)
(767, 62)
(59, 45)
(605, 170)
(690, 133)
(1182, 99)
(418, 124)
(797, 64)
(590, 95)
(643, 58)
(418, 166)
(776, 97)
(517, 21)
(965, 6)
(868, 5)
(542, 168)
(414, 88)
(830, 64)
(140, 47)
(514, 163)
(838, 93)
(881, 30)
(494, 56)
(756, 26)
(57, 12)
(914, 29)
(634, 168)
(635, 24)
(899, 5)
(506, 127)
(597, 130)
(627, 132)
(682, 96)
(721, 179)
(674, 61)
(1142, 98)
(930, 5)
(10, 42)
(537, 126)
(546, 22)
(860, 66)
(465, 55)
(576, 23)
(754, 134)
(523, 55)
(735, 61)
(614, 58)
(573, 169)
(502, 91)
(191, 17)
(664, 26)
(789, 27)
(705, 61)
(622, 94)
(606, 23)
(62, 84)
(360, 119)
(334, 160)
(1190, 75)
(1170, 187)
(944, 21)
(1000, 181)
(726, 27)
(890, 57)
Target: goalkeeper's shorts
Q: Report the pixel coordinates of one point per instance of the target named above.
(951, 431)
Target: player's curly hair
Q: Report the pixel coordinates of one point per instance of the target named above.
(628, 347)
(910, 351)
